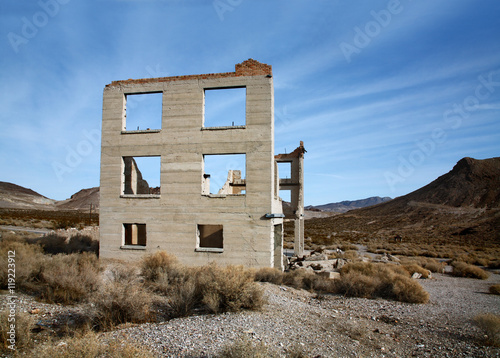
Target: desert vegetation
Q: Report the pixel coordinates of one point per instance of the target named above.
(490, 324)
(367, 280)
(158, 288)
(65, 271)
(48, 219)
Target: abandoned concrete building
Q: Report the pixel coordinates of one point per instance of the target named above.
(238, 222)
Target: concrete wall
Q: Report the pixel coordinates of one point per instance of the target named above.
(172, 217)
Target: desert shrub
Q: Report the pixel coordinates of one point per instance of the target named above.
(378, 280)
(495, 289)
(494, 264)
(307, 280)
(52, 244)
(348, 247)
(123, 298)
(462, 269)
(432, 265)
(405, 289)
(357, 285)
(213, 288)
(28, 261)
(229, 288)
(67, 278)
(268, 274)
(82, 243)
(154, 265)
(490, 323)
(412, 268)
(24, 323)
(244, 348)
(351, 255)
(183, 296)
(89, 346)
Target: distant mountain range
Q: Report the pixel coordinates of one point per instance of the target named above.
(13, 196)
(346, 205)
(461, 206)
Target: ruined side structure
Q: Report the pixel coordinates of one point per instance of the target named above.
(242, 222)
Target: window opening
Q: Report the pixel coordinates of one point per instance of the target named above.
(225, 107)
(285, 170)
(286, 195)
(141, 175)
(210, 236)
(135, 234)
(224, 174)
(143, 111)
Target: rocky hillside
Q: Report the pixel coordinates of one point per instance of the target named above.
(13, 196)
(81, 200)
(346, 205)
(460, 206)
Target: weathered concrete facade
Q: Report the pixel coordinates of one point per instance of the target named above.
(241, 224)
(295, 184)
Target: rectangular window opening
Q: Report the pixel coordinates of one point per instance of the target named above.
(210, 237)
(286, 195)
(141, 175)
(224, 174)
(143, 112)
(225, 107)
(285, 170)
(135, 234)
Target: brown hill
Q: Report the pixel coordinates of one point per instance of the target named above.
(81, 200)
(13, 196)
(346, 205)
(462, 206)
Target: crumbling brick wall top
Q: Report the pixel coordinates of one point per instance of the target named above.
(297, 153)
(249, 67)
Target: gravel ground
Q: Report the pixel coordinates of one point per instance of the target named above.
(334, 326)
(325, 326)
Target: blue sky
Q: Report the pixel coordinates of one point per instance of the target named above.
(386, 95)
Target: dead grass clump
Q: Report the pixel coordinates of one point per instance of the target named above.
(307, 280)
(61, 278)
(431, 264)
(123, 298)
(89, 346)
(28, 260)
(494, 264)
(22, 323)
(229, 288)
(495, 289)
(462, 269)
(490, 323)
(351, 255)
(155, 265)
(268, 274)
(213, 288)
(414, 268)
(183, 296)
(354, 284)
(67, 278)
(405, 289)
(378, 280)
